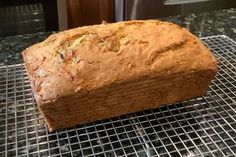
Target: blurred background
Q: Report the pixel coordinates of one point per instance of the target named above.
(26, 22)
(31, 16)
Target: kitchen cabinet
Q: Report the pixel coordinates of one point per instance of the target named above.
(87, 12)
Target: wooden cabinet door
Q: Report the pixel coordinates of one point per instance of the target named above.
(88, 12)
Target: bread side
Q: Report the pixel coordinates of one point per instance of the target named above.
(96, 72)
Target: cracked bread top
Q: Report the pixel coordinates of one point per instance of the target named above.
(87, 58)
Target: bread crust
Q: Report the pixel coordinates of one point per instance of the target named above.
(95, 72)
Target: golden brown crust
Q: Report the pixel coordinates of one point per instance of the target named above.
(77, 62)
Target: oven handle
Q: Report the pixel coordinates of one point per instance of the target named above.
(176, 2)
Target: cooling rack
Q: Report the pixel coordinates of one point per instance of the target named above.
(205, 126)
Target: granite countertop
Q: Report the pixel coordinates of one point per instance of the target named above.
(202, 24)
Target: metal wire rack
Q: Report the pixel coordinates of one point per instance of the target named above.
(205, 126)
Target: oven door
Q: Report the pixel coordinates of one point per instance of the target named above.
(149, 9)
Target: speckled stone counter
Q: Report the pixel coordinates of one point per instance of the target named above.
(12, 46)
(203, 24)
(208, 23)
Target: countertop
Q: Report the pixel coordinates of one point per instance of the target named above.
(203, 24)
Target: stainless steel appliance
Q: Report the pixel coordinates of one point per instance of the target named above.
(27, 16)
(150, 9)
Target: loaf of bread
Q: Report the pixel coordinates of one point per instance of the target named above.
(101, 71)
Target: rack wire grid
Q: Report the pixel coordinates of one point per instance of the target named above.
(205, 126)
